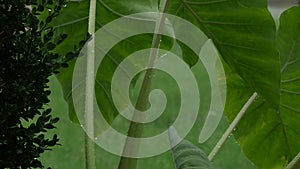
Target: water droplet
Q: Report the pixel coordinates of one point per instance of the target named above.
(164, 55)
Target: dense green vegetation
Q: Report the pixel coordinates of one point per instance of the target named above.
(27, 61)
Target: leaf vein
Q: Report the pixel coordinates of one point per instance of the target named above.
(290, 108)
(72, 22)
(227, 23)
(290, 80)
(239, 46)
(288, 57)
(291, 92)
(206, 3)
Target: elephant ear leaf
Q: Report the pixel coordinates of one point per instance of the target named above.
(244, 33)
(75, 25)
(185, 154)
(274, 133)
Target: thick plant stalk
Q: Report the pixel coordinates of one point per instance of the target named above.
(232, 126)
(89, 91)
(135, 128)
(295, 163)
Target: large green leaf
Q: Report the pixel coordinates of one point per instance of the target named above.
(75, 25)
(269, 137)
(244, 33)
(185, 154)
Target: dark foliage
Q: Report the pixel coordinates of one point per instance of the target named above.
(26, 62)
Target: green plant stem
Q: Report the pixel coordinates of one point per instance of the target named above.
(232, 126)
(295, 163)
(135, 128)
(89, 91)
